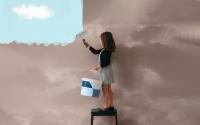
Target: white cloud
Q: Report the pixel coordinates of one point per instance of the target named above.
(33, 12)
(149, 75)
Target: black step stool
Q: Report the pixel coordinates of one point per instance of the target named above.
(96, 112)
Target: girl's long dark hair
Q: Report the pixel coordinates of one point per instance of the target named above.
(108, 41)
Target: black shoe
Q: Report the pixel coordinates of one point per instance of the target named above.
(98, 109)
(109, 108)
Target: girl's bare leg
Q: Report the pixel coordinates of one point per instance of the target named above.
(110, 93)
(107, 96)
(104, 96)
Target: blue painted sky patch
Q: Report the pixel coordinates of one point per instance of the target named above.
(40, 21)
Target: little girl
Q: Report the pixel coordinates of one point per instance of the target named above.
(105, 67)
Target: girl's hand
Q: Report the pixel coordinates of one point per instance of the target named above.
(85, 43)
(96, 68)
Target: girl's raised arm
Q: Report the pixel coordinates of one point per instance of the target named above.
(94, 51)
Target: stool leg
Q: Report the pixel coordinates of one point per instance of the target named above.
(92, 120)
(116, 121)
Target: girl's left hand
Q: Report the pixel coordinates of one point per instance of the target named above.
(96, 67)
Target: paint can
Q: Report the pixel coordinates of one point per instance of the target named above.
(90, 87)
